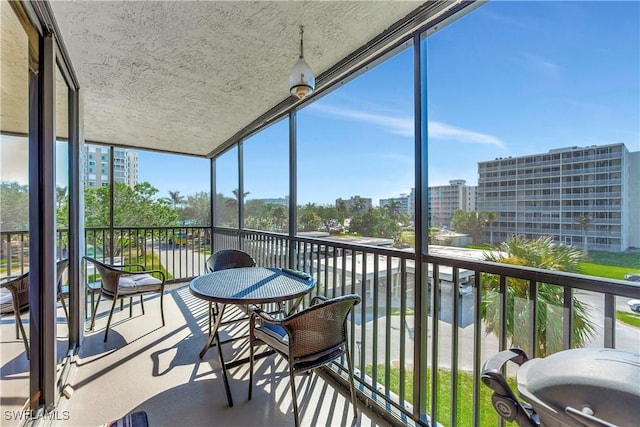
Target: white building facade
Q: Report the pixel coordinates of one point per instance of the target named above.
(96, 162)
(445, 200)
(547, 194)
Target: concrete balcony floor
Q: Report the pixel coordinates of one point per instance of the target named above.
(144, 366)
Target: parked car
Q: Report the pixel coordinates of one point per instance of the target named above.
(634, 305)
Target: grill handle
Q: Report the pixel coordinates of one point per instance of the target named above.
(503, 399)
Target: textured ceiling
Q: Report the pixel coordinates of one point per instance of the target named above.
(186, 76)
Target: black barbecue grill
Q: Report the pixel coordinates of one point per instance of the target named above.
(593, 387)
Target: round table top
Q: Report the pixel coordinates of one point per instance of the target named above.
(250, 285)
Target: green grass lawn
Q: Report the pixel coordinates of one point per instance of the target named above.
(148, 261)
(488, 415)
(628, 318)
(612, 265)
(627, 260)
(608, 271)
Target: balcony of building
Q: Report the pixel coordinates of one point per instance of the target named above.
(144, 366)
(205, 79)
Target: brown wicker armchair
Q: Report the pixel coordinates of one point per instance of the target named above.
(63, 290)
(117, 283)
(308, 339)
(229, 258)
(18, 298)
(224, 260)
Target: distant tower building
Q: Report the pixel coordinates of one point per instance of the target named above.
(133, 168)
(96, 166)
(545, 194)
(284, 201)
(445, 200)
(403, 203)
(412, 203)
(355, 204)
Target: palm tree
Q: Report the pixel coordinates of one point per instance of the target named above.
(490, 218)
(584, 221)
(394, 208)
(233, 203)
(541, 253)
(61, 194)
(175, 198)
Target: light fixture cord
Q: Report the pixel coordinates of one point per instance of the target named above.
(301, 38)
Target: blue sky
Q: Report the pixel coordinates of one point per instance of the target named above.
(509, 79)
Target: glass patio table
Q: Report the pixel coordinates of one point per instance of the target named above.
(246, 286)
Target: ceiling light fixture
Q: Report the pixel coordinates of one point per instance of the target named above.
(301, 78)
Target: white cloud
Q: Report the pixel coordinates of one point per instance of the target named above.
(398, 125)
(438, 130)
(404, 125)
(542, 64)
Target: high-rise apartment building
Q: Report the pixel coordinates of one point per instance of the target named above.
(96, 166)
(283, 201)
(548, 194)
(445, 200)
(403, 204)
(355, 204)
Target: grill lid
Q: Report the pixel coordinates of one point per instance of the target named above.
(603, 383)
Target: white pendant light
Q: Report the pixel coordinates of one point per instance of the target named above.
(301, 78)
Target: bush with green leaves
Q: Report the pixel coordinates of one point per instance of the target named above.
(542, 253)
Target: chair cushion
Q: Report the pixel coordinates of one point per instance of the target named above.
(274, 336)
(137, 283)
(6, 301)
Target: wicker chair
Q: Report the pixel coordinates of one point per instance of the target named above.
(308, 339)
(63, 291)
(117, 283)
(224, 260)
(16, 300)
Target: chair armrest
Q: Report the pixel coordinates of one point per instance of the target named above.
(6, 279)
(318, 299)
(257, 312)
(121, 266)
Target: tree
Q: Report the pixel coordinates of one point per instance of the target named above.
(175, 198)
(14, 206)
(226, 212)
(279, 213)
(308, 218)
(394, 209)
(234, 202)
(62, 207)
(341, 206)
(541, 253)
(61, 195)
(197, 208)
(261, 216)
(490, 218)
(585, 222)
(471, 223)
(358, 205)
(133, 207)
(330, 216)
(375, 222)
